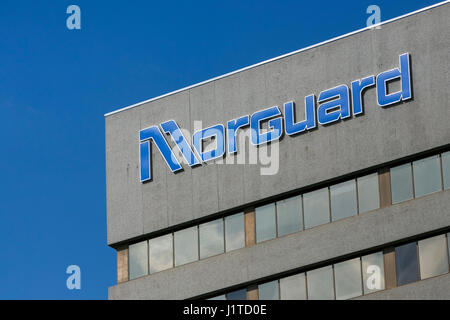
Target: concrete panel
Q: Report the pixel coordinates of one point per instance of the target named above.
(378, 136)
(124, 196)
(168, 197)
(437, 288)
(204, 182)
(230, 176)
(298, 250)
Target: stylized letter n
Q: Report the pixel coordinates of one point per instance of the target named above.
(145, 137)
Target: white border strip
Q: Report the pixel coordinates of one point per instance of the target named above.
(279, 57)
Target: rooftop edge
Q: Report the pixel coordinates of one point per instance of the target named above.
(278, 57)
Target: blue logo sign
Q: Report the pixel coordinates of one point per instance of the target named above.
(333, 105)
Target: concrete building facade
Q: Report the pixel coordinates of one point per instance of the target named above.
(381, 179)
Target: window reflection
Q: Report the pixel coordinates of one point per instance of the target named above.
(320, 284)
(268, 291)
(138, 263)
(293, 287)
(368, 193)
(401, 183)
(186, 246)
(427, 176)
(265, 222)
(347, 277)
(316, 208)
(343, 200)
(211, 238)
(161, 253)
(234, 232)
(433, 257)
(289, 216)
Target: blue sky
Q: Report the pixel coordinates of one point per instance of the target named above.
(56, 84)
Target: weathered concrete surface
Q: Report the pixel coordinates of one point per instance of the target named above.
(299, 250)
(437, 288)
(379, 136)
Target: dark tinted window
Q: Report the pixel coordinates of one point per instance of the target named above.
(406, 263)
(237, 295)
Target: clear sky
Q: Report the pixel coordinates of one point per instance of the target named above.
(56, 84)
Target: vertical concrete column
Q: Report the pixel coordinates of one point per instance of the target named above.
(122, 265)
(250, 231)
(384, 185)
(390, 275)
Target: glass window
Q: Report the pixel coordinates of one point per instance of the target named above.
(293, 287)
(427, 176)
(406, 263)
(347, 278)
(433, 257)
(289, 216)
(234, 232)
(222, 297)
(237, 295)
(368, 193)
(161, 253)
(343, 200)
(448, 245)
(211, 238)
(373, 272)
(401, 183)
(138, 262)
(316, 208)
(446, 169)
(268, 291)
(320, 284)
(186, 246)
(265, 222)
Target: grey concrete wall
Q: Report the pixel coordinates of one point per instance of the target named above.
(437, 288)
(379, 136)
(299, 250)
